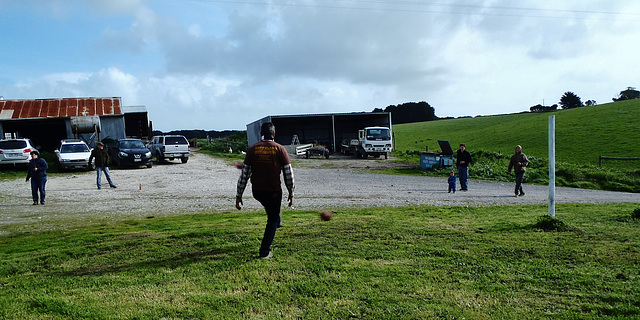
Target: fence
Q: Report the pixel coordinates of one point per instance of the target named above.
(614, 158)
(302, 149)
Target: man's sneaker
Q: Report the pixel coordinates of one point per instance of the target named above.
(42, 203)
(35, 203)
(267, 256)
(521, 193)
(99, 188)
(113, 186)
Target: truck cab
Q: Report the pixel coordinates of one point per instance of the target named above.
(374, 141)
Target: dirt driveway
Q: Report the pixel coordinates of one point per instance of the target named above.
(209, 184)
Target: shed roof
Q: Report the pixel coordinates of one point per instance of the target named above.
(62, 107)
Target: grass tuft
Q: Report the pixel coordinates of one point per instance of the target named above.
(548, 223)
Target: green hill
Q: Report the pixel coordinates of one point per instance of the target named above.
(582, 134)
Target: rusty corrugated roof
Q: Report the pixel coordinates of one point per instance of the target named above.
(63, 107)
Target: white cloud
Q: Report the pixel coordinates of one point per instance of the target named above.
(212, 65)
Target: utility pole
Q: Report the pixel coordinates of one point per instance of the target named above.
(552, 166)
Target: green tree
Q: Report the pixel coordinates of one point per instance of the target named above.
(629, 94)
(411, 112)
(570, 100)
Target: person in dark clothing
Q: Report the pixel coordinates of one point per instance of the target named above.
(452, 182)
(519, 163)
(463, 159)
(38, 174)
(263, 164)
(101, 156)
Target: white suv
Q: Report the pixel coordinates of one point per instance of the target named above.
(169, 147)
(73, 154)
(16, 151)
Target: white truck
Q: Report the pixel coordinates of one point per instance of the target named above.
(169, 147)
(374, 141)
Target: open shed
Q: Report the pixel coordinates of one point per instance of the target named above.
(47, 121)
(326, 129)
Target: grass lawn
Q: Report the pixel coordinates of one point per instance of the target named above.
(582, 134)
(383, 263)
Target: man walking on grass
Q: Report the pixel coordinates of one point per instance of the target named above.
(262, 164)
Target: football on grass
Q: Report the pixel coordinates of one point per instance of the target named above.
(326, 215)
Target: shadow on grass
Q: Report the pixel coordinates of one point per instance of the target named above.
(233, 254)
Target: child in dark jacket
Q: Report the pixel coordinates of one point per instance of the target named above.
(452, 182)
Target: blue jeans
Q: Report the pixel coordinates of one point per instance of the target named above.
(37, 184)
(106, 174)
(271, 201)
(463, 175)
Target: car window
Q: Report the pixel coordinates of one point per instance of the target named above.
(73, 148)
(13, 144)
(176, 140)
(132, 144)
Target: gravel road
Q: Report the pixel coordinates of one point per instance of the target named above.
(208, 184)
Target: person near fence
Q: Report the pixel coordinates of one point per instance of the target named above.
(37, 172)
(463, 159)
(519, 163)
(263, 164)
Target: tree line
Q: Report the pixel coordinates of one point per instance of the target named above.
(410, 112)
(421, 111)
(570, 100)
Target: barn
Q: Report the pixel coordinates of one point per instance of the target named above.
(47, 121)
(326, 129)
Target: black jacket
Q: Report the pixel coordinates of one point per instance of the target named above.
(101, 156)
(463, 156)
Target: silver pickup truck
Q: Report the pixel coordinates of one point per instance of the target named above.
(169, 147)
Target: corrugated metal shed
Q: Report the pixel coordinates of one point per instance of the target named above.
(64, 107)
(328, 129)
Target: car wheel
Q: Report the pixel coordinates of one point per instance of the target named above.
(184, 160)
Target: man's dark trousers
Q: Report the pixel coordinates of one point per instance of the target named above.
(271, 201)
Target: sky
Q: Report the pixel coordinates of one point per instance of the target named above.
(220, 65)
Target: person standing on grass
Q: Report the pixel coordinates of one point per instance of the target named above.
(102, 164)
(463, 159)
(262, 164)
(38, 174)
(519, 163)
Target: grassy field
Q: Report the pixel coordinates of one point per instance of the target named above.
(582, 134)
(383, 263)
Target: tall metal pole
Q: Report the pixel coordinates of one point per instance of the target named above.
(552, 166)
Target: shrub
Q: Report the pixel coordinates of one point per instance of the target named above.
(636, 214)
